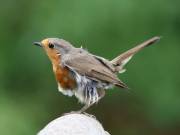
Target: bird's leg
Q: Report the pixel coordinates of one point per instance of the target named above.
(101, 94)
(82, 110)
(85, 107)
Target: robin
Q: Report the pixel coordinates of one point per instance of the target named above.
(83, 74)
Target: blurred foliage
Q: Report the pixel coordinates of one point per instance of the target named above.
(29, 98)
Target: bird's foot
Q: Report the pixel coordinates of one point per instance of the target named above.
(72, 112)
(80, 112)
(89, 115)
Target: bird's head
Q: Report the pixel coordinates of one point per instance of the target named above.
(54, 47)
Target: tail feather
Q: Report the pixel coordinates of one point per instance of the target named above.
(120, 61)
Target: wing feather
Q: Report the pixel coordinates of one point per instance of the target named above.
(85, 64)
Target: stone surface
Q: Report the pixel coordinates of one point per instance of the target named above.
(74, 124)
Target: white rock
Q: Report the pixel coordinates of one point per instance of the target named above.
(74, 124)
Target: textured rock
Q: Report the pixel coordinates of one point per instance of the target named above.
(74, 124)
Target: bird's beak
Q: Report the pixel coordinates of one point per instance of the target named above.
(38, 44)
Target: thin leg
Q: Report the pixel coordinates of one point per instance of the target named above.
(83, 109)
(86, 106)
(101, 95)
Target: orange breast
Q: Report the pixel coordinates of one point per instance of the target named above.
(64, 78)
(62, 74)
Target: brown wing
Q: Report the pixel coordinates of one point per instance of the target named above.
(85, 64)
(105, 62)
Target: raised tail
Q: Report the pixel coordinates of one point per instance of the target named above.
(120, 61)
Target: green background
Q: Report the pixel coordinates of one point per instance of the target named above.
(29, 98)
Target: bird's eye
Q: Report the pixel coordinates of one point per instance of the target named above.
(51, 46)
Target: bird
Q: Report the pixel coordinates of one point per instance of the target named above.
(84, 75)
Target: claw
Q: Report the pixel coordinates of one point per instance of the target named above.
(72, 112)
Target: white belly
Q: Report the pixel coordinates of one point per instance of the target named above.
(65, 92)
